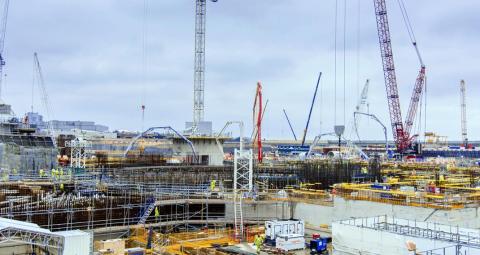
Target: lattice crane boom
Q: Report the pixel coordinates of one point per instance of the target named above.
(3, 31)
(401, 131)
(401, 139)
(416, 95)
(258, 112)
(45, 100)
(199, 62)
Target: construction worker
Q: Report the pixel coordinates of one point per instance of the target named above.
(213, 183)
(258, 243)
(157, 213)
(41, 172)
(61, 186)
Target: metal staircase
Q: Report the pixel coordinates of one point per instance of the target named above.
(148, 210)
(238, 215)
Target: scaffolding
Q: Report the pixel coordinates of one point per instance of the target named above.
(13, 232)
(419, 229)
(449, 250)
(116, 207)
(242, 182)
(78, 152)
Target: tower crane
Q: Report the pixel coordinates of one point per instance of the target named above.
(463, 106)
(41, 83)
(401, 131)
(199, 64)
(3, 31)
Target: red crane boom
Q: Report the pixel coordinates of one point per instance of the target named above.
(257, 121)
(416, 95)
(401, 131)
(389, 73)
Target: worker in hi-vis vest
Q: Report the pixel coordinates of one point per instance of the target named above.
(213, 183)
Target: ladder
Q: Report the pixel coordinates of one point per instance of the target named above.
(147, 212)
(238, 215)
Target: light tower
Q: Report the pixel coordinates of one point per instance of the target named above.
(199, 65)
(463, 105)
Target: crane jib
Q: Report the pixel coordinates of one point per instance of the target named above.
(401, 130)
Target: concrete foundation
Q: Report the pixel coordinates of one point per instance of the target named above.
(315, 215)
(389, 235)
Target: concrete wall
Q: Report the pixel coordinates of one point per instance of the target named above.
(349, 239)
(203, 147)
(467, 217)
(343, 209)
(313, 214)
(261, 211)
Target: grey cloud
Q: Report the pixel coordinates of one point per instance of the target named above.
(92, 58)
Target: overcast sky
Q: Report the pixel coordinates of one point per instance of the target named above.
(91, 56)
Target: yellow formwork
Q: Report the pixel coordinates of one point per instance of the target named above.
(184, 242)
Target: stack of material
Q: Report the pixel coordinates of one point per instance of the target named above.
(135, 251)
(110, 247)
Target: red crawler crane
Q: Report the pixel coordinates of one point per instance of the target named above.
(401, 131)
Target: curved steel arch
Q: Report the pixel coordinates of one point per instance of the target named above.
(378, 121)
(135, 139)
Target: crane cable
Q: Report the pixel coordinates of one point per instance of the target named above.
(413, 39)
(358, 47)
(406, 20)
(335, 69)
(33, 85)
(425, 105)
(344, 60)
(144, 60)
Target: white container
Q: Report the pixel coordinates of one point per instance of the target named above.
(290, 242)
(284, 227)
(76, 242)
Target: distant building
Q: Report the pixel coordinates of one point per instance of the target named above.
(62, 125)
(22, 148)
(36, 120)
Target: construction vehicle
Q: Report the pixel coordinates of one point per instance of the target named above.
(319, 245)
(302, 149)
(401, 131)
(290, 124)
(311, 108)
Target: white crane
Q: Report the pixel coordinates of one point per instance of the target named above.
(3, 31)
(38, 75)
(362, 106)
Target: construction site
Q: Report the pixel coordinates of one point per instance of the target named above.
(77, 188)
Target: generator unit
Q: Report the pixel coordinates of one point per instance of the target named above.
(274, 228)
